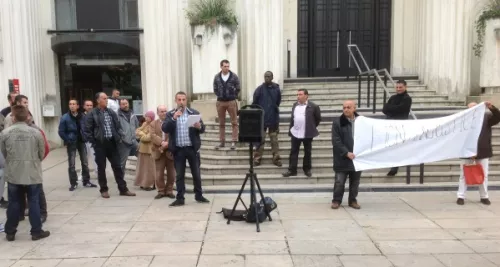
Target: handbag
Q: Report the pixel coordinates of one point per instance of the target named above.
(473, 173)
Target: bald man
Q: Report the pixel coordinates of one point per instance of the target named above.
(163, 159)
(343, 144)
(484, 153)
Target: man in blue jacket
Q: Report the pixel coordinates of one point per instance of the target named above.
(184, 143)
(268, 96)
(71, 133)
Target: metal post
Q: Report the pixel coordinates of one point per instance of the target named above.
(375, 81)
(421, 173)
(408, 178)
(359, 90)
(288, 58)
(368, 91)
(385, 93)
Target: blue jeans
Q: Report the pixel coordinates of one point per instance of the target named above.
(71, 149)
(16, 197)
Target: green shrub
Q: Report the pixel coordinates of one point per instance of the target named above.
(211, 13)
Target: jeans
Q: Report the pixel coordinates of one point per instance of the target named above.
(339, 187)
(108, 150)
(14, 211)
(126, 151)
(42, 201)
(193, 157)
(71, 149)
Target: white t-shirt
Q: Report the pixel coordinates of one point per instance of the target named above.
(225, 76)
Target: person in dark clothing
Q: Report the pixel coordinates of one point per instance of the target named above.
(398, 108)
(306, 116)
(71, 133)
(184, 143)
(484, 153)
(227, 88)
(343, 145)
(103, 131)
(268, 96)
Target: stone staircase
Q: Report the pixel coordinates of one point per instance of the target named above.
(226, 167)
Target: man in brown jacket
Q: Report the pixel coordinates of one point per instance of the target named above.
(484, 153)
(163, 158)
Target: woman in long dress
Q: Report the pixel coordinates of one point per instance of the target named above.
(145, 169)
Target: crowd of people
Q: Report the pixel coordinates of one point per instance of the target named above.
(164, 142)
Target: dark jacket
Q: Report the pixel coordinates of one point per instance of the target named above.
(3, 113)
(226, 90)
(269, 98)
(70, 128)
(484, 149)
(94, 127)
(83, 123)
(170, 127)
(313, 118)
(398, 107)
(343, 142)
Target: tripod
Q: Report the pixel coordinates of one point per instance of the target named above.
(253, 198)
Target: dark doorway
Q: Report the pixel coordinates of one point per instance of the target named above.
(326, 27)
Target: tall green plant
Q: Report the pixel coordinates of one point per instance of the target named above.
(211, 13)
(491, 12)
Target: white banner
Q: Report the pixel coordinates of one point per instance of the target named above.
(382, 143)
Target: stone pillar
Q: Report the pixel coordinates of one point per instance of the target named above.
(404, 33)
(165, 51)
(262, 44)
(490, 57)
(27, 56)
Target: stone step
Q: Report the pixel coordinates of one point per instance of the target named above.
(349, 84)
(283, 141)
(416, 90)
(415, 103)
(380, 98)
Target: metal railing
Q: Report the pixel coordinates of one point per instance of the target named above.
(377, 79)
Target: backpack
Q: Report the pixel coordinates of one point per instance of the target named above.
(249, 215)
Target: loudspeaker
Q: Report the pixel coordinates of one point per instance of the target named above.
(251, 124)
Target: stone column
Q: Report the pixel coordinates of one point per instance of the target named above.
(404, 34)
(262, 44)
(490, 57)
(165, 51)
(27, 56)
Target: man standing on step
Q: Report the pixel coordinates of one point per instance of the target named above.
(184, 143)
(268, 96)
(163, 158)
(398, 108)
(129, 124)
(71, 133)
(103, 131)
(227, 88)
(343, 145)
(484, 153)
(306, 116)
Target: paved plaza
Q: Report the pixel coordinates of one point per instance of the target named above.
(392, 229)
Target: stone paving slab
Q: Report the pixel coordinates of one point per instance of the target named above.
(399, 229)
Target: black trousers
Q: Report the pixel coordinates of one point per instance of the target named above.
(193, 157)
(109, 150)
(339, 187)
(294, 154)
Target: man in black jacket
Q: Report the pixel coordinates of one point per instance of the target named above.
(103, 132)
(398, 108)
(343, 144)
(305, 118)
(184, 143)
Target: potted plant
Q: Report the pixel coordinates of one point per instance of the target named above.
(211, 14)
(491, 12)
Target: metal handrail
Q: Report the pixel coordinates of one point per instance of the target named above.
(376, 72)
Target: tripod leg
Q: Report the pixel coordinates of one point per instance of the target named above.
(238, 198)
(262, 196)
(253, 200)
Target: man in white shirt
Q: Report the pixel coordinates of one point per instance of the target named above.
(304, 121)
(114, 101)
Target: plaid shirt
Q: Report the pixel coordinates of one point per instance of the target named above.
(108, 134)
(182, 136)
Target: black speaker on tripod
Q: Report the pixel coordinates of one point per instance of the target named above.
(251, 130)
(251, 124)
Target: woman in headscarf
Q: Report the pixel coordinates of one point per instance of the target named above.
(145, 169)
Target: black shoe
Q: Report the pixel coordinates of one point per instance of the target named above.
(392, 173)
(73, 187)
(177, 202)
(289, 173)
(89, 184)
(460, 201)
(159, 196)
(485, 201)
(171, 196)
(308, 173)
(41, 235)
(44, 218)
(10, 237)
(202, 200)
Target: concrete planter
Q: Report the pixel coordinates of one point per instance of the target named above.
(209, 47)
(490, 58)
